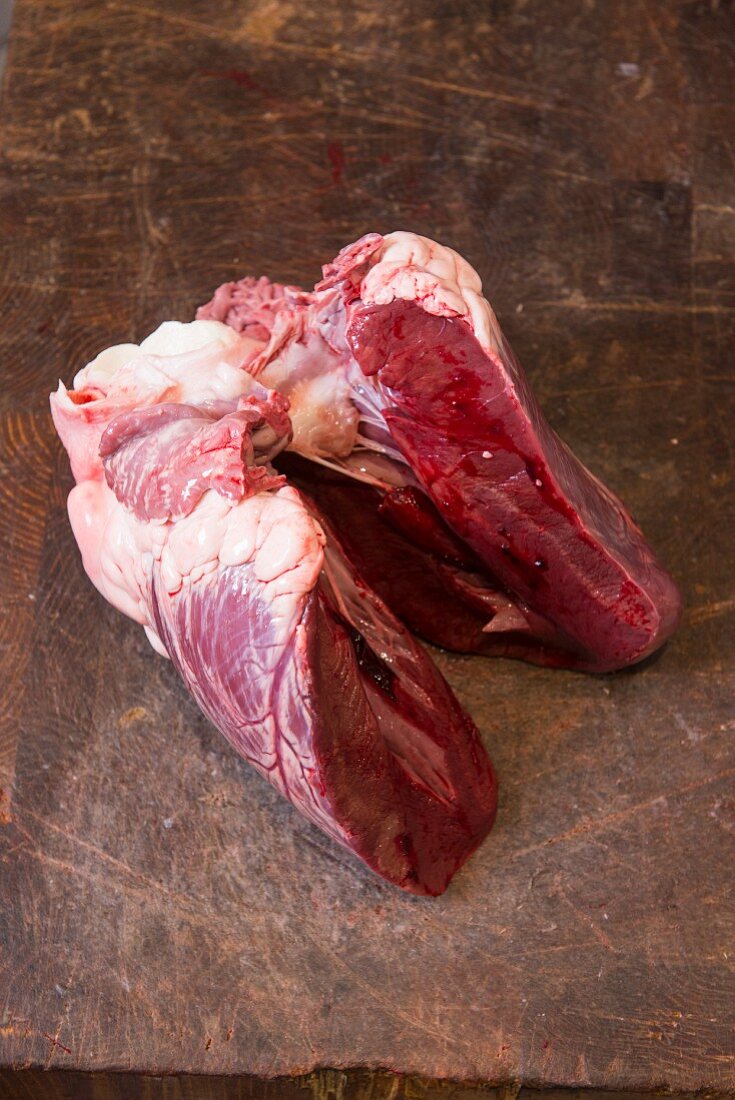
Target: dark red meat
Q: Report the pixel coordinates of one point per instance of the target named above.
(474, 436)
(427, 577)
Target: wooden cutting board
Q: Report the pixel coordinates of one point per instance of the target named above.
(161, 910)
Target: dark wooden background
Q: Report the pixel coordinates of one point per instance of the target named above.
(161, 910)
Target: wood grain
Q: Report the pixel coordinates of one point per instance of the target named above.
(161, 910)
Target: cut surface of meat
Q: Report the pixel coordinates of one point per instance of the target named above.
(185, 526)
(508, 487)
(441, 410)
(451, 603)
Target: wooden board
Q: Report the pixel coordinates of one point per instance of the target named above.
(161, 910)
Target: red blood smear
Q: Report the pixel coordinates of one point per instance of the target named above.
(55, 1042)
(82, 397)
(240, 77)
(336, 155)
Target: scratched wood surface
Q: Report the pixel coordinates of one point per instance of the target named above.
(161, 910)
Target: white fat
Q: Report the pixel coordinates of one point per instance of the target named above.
(193, 542)
(195, 362)
(313, 379)
(113, 546)
(102, 369)
(121, 553)
(437, 278)
(155, 641)
(177, 337)
(273, 531)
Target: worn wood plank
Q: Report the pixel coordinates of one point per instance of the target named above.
(161, 911)
(321, 1085)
